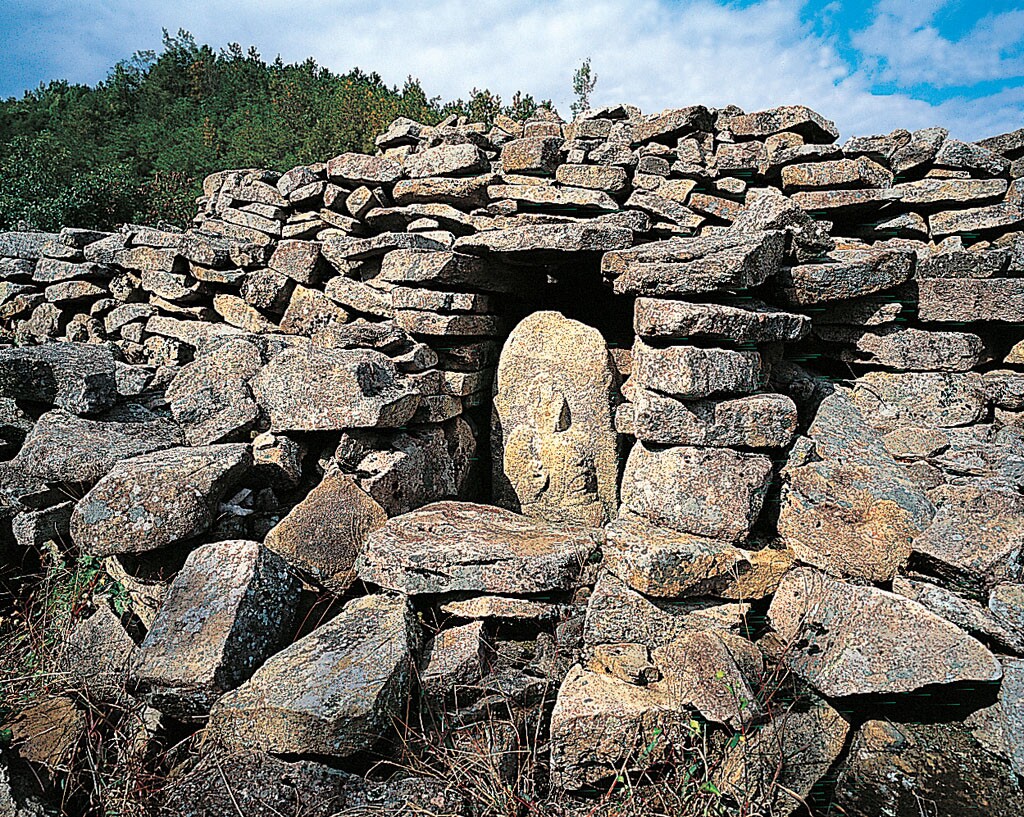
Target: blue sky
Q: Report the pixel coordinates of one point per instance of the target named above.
(870, 66)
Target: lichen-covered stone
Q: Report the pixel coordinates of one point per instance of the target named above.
(975, 539)
(333, 692)
(318, 389)
(753, 322)
(664, 563)
(154, 500)
(459, 546)
(971, 299)
(853, 640)
(849, 508)
(687, 266)
(943, 399)
(755, 421)
(662, 487)
(693, 372)
(325, 532)
(848, 273)
(225, 612)
(601, 726)
(777, 767)
(62, 447)
(553, 437)
(77, 377)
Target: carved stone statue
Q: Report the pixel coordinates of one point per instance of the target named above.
(554, 445)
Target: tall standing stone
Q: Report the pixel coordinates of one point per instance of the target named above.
(553, 425)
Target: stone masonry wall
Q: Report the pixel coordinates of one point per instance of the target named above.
(758, 425)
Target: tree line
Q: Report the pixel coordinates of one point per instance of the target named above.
(136, 146)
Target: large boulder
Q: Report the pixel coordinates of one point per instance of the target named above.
(334, 692)
(154, 500)
(553, 435)
(846, 639)
(226, 611)
(459, 546)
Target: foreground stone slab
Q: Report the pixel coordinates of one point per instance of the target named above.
(753, 323)
(154, 500)
(325, 532)
(334, 692)
(317, 389)
(688, 266)
(63, 447)
(553, 433)
(460, 546)
(601, 725)
(77, 377)
(849, 508)
(893, 768)
(226, 611)
(853, 640)
(662, 487)
(692, 372)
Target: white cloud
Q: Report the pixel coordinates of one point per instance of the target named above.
(649, 52)
(906, 47)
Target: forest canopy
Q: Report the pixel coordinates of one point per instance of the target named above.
(136, 147)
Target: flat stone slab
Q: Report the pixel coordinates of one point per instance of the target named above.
(799, 119)
(225, 612)
(849, 639)
(324, 532)
(315, 389)
(919, 350)
(849, 273)
(971, 299)
(62, 447)
(755, 421)
(688, 266)
(695, 372)
(943, 399)
(975, 539)
(664, 563)
(460, 546)
(333, 692)
(752, 323)
(77, 377)
(154, 500)
(547, 239)
(712, 492)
